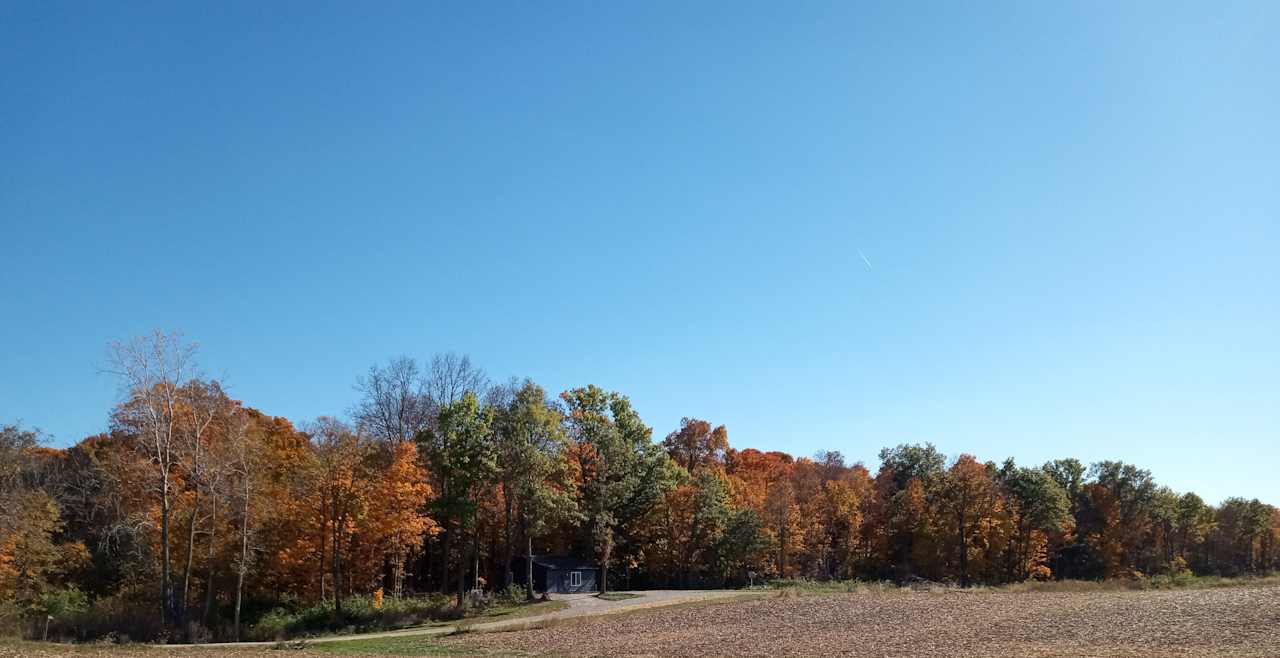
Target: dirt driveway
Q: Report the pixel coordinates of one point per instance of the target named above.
(589, 605)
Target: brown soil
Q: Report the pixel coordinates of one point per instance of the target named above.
(1236, 621)
(1242, 621)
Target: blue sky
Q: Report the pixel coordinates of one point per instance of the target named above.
(1071, 213)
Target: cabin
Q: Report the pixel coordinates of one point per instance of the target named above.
(559, 574)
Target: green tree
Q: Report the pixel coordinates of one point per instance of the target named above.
(463, 455)
(1133, 491)
(1194, 524)
(1038, 503)
(624, 473)
(740, 546)
(709, 517)
(908, 486)
(537, 484)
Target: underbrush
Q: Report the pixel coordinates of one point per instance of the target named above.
(358, 616)
(130, 617)
(127, 616)
(802, 586)
(1144, 583)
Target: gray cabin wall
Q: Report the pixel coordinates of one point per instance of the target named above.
(559, 580)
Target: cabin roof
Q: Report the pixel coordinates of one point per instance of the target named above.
(562, 562)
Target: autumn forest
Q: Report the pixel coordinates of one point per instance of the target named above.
(195, 514)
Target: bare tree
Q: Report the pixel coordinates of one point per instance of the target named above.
(152, 370)
(400, 403)
(243, 462)
(217, 471)
(395, 405)
(205, 407)
(450, 377)
(400, 400)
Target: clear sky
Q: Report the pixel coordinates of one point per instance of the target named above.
(1070, 214)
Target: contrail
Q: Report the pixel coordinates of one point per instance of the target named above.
(864, 259)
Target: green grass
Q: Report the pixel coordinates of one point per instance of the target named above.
(616, 596)
(390, 646)
(418, 645)
(512, 611)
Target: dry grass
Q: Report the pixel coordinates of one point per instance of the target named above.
(1154, 582)
(1237, 621)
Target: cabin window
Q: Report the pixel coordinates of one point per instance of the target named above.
(575, 579)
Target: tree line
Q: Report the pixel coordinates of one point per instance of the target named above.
(202, 511)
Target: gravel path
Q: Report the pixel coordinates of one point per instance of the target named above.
(1240, 621)
(588, 605)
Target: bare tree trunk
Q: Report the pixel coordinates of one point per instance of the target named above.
(191, 549)
(782, 552)
(425, 576)
(447, 543)
(507, 576)
(462, 571)
(244, 557)
(475, 559)
(208, 585)
(604, 563)
(166, 581)
(528, 562)
(397, 571)
(337, 567)
(324, 545)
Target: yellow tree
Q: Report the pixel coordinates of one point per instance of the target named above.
(345, 485)
(394, 511)
(970, 501)
(846, 500)
(784, 522)
(696, 444)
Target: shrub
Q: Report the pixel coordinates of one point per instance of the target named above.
(11, 620)
(358, 614)
(60, 603)
(127, 616)
(512, 593)
(817, 586)
(274, 625)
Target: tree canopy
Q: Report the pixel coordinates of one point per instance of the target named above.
(200, 512)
